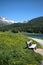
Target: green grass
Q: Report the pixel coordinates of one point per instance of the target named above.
(13, 51)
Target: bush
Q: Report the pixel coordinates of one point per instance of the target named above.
(15, 31)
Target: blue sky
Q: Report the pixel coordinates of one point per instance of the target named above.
(21, 10)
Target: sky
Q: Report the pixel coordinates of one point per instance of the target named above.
(21, 10)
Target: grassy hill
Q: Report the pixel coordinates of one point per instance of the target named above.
(33, 26)
(13, 51)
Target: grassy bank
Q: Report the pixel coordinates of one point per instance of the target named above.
(13, 51)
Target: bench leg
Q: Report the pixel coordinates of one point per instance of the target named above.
(35, 48)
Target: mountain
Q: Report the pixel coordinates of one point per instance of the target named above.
(4, 21)
(33, 26)
(36, 21)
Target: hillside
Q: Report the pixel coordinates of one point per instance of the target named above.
(34, 25)
(36, 21)
(13, 50)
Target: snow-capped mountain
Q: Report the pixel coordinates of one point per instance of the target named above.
(5, 21)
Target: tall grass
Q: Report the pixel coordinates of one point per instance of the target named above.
(13, 51)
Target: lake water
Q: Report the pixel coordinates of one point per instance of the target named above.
(34, 35)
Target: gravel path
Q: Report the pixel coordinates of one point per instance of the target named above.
(40, 51)
(38, 40)
(42, 63)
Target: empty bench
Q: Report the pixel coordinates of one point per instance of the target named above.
(30, 45)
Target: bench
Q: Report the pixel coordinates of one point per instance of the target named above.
(30, 45)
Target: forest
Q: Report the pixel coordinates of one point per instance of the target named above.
(33, 26)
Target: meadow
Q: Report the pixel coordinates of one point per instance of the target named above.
(13, 50)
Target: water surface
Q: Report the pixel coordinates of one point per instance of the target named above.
(34, 35)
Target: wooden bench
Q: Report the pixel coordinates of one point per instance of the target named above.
(30, 45)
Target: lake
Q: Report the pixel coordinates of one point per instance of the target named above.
(34, 35)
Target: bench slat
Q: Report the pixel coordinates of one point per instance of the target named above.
(32, 46)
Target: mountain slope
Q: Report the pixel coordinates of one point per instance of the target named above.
(34, 25)
(36, 21)
(4, 21)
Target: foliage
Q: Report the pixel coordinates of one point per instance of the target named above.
(14, 30)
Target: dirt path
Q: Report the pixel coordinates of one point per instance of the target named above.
(40, 51)
(41, 62)
(38, 40)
